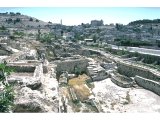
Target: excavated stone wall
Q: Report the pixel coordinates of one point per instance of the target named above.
(148, 58)
(122, 81)
(22, 67)
(131, 70)
(69, 66)
(148, 84)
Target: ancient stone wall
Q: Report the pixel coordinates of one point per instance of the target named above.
(69, 66)
(148, 84)
(20, 67)
(38, 72)
(147, 58)
(122, 81)
(133, 70)
(83, 52)
(15, 57)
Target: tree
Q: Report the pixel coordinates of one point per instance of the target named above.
(2, 28)
(98, 30)
(18, 13)
(30, 19)
(12, 13)
(77, 70)
(94, 38)
(12, 37)
(39, 34)
(9, 20)
(37, 20)
(119, 26)
(62, 32)
(17, 20)
(6, 91)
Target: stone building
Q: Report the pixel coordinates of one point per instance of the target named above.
(97, 23)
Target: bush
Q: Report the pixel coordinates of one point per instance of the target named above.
(46, 37)
(12, 37)
(18, 13)
(31, 19)
(6, 91)
(2, 28)
(77, 71)
(17, 20)
(37, 20)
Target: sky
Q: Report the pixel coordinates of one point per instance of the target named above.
(78, 15)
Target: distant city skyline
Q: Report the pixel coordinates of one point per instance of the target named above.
(78, 15)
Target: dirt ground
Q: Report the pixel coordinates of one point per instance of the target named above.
(116, 99)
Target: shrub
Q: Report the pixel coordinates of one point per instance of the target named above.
(6, 91)
(30, 19)
(37, 20)
(2, 28)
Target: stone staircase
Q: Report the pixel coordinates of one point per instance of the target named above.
(95, 71)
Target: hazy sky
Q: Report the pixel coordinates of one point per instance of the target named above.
(78, 15)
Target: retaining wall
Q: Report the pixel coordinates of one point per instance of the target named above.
(122, 81)
(69, 66)
(22, 67)
(148, 84)
(131, 70)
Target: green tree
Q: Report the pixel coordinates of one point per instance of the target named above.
(6, 90)
(39, 34)
(37, 20)
(94, 38)
(18, 13)
(98, 30)
(77, 70)
(2, 28)
(17, 20)
(30, 19)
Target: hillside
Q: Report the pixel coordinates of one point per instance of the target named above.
(145, 21)
(17, 20)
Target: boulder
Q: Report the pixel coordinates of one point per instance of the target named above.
(34, 84)
(28, 100)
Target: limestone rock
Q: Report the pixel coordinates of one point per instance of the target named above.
(28, 101)
(32, 83)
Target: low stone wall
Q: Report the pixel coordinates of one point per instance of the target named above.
(122, 81)
(38, 72)
(131, 70)
(94, 52)
(20, 67)
(70, 65)
(83, 52)
(148, 84)
(34, 82)
(15, 57)
(148, 58)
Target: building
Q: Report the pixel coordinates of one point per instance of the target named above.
(89, 41)
(4, 35)
(68, 35)
(97, 23)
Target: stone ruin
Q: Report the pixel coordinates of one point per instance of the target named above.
(35, 87)
(122, 80)
(95, 71)
(70, 64)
